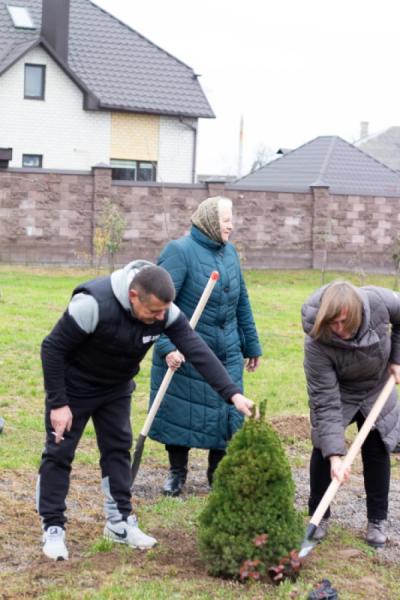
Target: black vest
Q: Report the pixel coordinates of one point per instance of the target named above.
(111, 355)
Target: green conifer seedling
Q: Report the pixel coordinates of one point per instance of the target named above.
(252, 498)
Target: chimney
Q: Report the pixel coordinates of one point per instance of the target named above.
(55, 25)
(364, 125)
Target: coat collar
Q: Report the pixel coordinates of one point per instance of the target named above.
(203, 239)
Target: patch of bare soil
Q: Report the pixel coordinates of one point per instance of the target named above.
(361, 586)
(289, 427)
(26, 573)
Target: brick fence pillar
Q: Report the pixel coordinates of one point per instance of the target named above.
(101, 193)
(321, 225)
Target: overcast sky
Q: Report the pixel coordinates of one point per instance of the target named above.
(295, 69)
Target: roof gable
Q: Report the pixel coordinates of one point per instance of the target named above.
(120, 67)
(325, 161)
(18, 52)
(14, 52)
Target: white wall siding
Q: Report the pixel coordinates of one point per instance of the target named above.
(175, 161)
(57, 127)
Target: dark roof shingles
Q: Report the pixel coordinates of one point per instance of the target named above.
(328, 160)
(121, 68)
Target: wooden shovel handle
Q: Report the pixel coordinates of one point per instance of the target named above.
(353, 450)
(137, 455)
(168, 375)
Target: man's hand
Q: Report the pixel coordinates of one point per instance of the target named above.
(61, 420)
(252, 364)
(243, 404)
(337, 469)
(395, 371)
(174, 359)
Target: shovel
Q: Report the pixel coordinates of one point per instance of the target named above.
(309, 543)
(137, 455)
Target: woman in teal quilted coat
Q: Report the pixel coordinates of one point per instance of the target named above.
(192, 415)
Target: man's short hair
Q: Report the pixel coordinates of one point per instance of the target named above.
(153, 280)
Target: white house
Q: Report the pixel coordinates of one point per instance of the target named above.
(78, 87)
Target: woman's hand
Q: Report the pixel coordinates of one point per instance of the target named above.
(395, 371)
(251, 364)
(337, 469)
(174, 359)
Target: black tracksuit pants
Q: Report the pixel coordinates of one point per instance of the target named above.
(111, 419)
(376, 463)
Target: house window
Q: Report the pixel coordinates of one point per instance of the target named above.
(146, 171)
(133, 170)
(32, 160)
(34, 81)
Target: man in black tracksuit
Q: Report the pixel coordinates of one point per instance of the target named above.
(89, 361)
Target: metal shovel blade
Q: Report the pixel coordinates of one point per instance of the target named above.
(308, 543)
(137, 457)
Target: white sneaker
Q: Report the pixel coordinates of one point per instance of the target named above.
(128, 532)
(53, 543)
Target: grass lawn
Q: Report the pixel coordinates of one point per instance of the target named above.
(31, 301)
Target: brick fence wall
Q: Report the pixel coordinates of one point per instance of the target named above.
(51, 217)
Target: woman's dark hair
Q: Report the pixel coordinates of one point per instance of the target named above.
(153, 280)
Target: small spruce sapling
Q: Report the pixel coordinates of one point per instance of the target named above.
(249, 521)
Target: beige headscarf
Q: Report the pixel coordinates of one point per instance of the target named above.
(207, 219)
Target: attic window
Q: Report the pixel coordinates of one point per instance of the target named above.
(34, 81)
(21, 17)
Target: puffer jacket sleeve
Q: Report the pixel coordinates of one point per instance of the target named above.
(392, 302)
(246, 324)
(325, 403)
(173, 260)
(192, 345)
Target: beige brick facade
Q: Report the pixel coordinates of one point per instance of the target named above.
(135, 137)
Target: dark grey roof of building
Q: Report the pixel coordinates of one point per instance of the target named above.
(120, 67)
(384, 146)
(325, 161)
